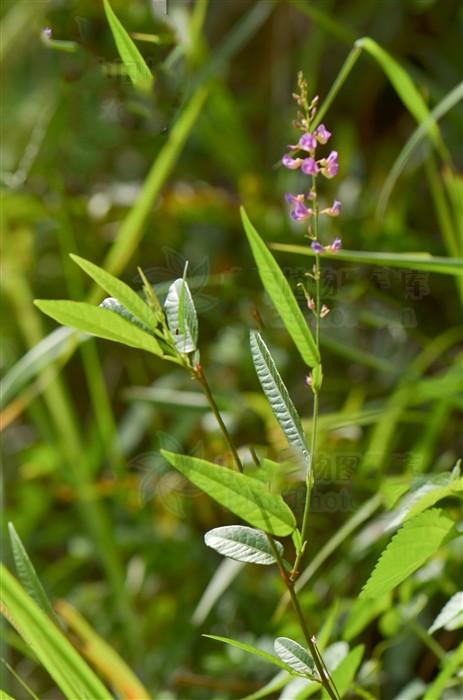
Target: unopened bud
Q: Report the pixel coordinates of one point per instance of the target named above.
(324, 311)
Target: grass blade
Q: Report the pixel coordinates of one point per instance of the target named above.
(137, 70)
(412, 261)
(69, 671)
(102, 656)
(27, 574)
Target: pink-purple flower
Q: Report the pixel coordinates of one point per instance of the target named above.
(322, 134)
(318, 248)
(291, 163)
(334, 210)
(309, 166)
(329, 166)
(299, 212)
(308, 142)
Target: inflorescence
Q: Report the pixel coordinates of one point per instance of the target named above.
(302, 156)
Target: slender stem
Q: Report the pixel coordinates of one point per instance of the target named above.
(325, 678)
(201, 377)
(313, 442)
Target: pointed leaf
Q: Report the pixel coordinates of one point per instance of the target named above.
(280, 293)
(451, 615)
(416, 541)
(27, 574)
(137, 70)
(344, 673)
(251, 650)
(181, 316)
(100, 322)
(242, 543)
(242, 495)
(278, 396)
(293, 654)
(64, 664)
(124, 294)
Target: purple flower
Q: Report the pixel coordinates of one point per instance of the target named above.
(322, 134)
(317, 247)
(309, 166)
(299, 211)
(291, 163)
(334, 210)
(336, 245)
(47, 33)
(330, 165)
(308, 142)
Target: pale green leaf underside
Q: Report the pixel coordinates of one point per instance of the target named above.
(417, 540)
(295, 656)
(99, 322)
(251, 650)
(279, 291)
(137, 70)
(27, 574)
(241, 494)
(112, 304)
(451, 615)
(181, 316)
(67, 668)
(242, 543)
(278, 396)
(124, 294)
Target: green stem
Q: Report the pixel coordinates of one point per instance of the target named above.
(201, 377)
(313, 441)
(325, 678)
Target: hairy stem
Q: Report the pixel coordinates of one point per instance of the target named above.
(201, 377)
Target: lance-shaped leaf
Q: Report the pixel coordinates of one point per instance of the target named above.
(242, 543)
(417, 540)
(112, 304)
(124, 294)
(27, 574)
(137, 70)
(278, 396)
(242, 495)
(99, 322)
(451, 615)
(279, 291)
(295, 656)
(181, 316)
(251, 650)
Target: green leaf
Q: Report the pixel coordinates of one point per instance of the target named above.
(112, 304)
(99, 322)
(279, 291)
(450, 666)
(401, 82)
(137, 70)
(295, 656)
(278, 396)
(27, 574)
(4, 695)
(124, 294)
(448, 102)
(411, 261)
(451, 615)
(242, 543)
(241, 494)
(181, 316)
(414, 543)
(251, 650)
(344, 673)
(427, 494)
(67, 668)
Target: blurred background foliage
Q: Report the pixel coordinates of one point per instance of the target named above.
(108, 526)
